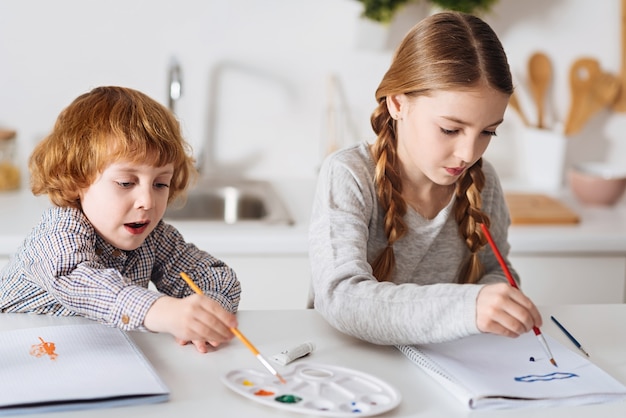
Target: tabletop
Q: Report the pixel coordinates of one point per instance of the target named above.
(196, 387)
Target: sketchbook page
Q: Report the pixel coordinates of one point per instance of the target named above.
(500, 372)
(71, 363)
(436, 372)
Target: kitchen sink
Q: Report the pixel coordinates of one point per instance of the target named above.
(232, 202)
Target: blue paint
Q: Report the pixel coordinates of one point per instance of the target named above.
(545, 378)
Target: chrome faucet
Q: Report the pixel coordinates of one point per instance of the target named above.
(175, 85)
(207, 164)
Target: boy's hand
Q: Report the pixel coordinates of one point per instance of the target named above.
(502, 309)
(201, 346)
(196, 318)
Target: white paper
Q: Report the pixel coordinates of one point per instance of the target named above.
(89, 362)
(490, 371)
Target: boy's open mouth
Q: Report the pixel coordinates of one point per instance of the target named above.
(136, 227)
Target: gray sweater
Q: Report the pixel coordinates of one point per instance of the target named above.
(422, 303)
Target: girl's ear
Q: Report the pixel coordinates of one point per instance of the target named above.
(395, 105)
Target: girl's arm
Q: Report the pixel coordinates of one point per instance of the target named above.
(345, 291)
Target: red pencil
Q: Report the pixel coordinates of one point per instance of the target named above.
(513, 283)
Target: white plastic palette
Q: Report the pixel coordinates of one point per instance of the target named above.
(319, 389)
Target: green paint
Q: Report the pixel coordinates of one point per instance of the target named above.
(288, 399)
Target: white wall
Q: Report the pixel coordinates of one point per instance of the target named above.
(273, 58)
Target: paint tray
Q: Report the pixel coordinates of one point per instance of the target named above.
(318, 389)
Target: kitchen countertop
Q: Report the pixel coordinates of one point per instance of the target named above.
(601, 230)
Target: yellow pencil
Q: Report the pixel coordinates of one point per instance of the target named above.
(238, 334)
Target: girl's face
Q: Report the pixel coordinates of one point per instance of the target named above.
(126, 202)
(441, 135)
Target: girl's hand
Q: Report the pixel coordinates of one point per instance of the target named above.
(504, 310)
(196, 318)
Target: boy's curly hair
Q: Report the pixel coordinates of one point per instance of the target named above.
(100, 127)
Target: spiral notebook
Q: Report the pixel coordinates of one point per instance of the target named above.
(73, 367)
(487, 371)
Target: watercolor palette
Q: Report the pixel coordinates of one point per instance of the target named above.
(319, 389)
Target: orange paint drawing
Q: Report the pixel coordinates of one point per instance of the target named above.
(44, 348)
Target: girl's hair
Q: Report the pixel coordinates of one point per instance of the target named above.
(445, 51)
(100, 127)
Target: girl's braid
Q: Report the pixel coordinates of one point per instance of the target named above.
(469, 214)
(388, 189)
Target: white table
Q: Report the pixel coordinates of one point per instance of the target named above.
(196, 388)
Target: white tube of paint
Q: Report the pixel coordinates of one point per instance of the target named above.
(287, 356)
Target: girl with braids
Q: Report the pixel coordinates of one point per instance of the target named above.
(397, 252)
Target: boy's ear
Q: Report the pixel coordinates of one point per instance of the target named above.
(78, 196)
(395, 105)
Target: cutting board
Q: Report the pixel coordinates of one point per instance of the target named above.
(537, 208)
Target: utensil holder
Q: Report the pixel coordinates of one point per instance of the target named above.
(543, 158)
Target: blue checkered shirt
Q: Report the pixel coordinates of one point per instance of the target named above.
(64, 267)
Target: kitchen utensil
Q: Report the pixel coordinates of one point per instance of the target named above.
(620, 102)
(542, 158)
(591, 89)
(538, 209)
(540, 76)
(514, 103)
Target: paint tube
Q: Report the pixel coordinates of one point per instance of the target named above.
(287, 356)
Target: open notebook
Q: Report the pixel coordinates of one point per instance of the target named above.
(487, 371)
(73, 367)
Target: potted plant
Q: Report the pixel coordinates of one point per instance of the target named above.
(383, 11)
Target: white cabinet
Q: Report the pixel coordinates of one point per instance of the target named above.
(282, 281)
(572, 278)
(268, 281)
(273, 281)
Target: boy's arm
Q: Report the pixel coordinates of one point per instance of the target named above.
(173, 256)
(59, 270)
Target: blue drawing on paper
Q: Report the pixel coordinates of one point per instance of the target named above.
(545, 377)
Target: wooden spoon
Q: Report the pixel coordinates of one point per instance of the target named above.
(620, 101)
(514, 103)
(540, 75)
(592, 90)
(605, 88)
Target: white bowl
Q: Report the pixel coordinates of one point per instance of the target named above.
(598, 184)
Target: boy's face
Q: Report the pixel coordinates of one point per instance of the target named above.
(126, 202)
